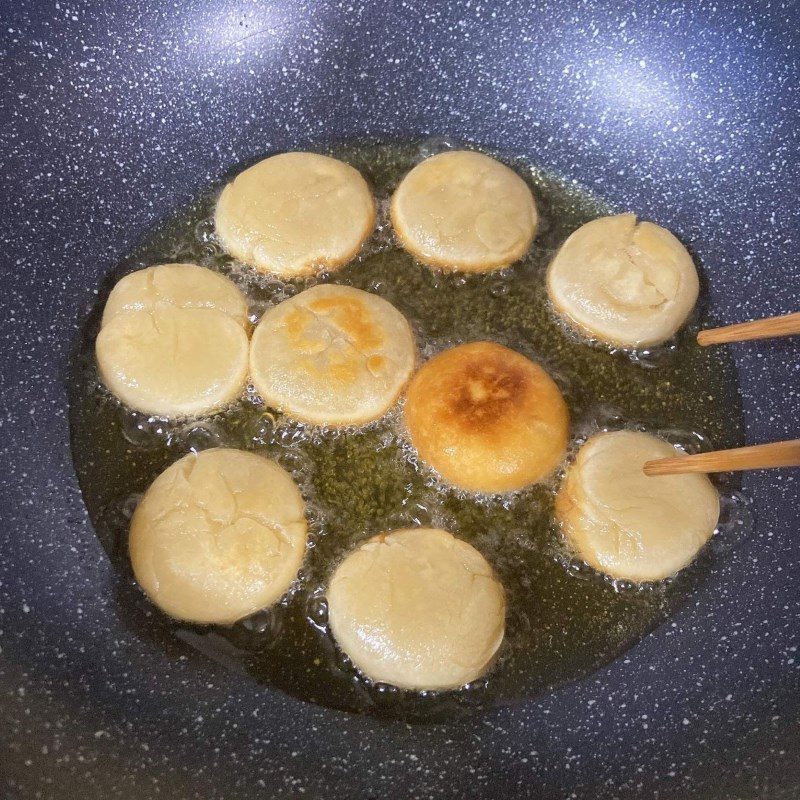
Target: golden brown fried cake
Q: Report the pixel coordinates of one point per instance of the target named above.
(486, 418)
(295, 214)
(332, 355)
(464, 211)
(173, 341)
(178, 286)
(417, 608)
(218, 535)
(629, 525)
(624, 283)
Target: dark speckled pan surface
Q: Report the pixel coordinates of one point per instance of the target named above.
(114, 113)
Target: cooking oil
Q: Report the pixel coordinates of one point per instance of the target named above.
(564, 620)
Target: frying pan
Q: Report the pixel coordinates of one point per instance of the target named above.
(116, 113)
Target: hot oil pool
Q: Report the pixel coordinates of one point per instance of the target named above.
(564, 621)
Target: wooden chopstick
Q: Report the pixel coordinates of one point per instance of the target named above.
(786, 325)
(760, 456)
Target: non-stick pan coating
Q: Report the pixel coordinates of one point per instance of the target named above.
(115, 113)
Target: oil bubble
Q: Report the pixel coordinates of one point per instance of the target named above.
(145, 432)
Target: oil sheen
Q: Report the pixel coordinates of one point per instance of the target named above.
(564, 621)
